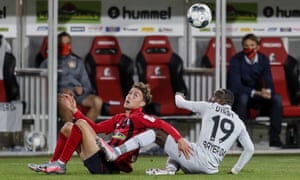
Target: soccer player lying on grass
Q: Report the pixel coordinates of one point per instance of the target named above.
(123, 126)
(221, 127)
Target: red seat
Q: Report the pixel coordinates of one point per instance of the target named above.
(274, 49)
(3, 97)
(110, 71)
(279, 79)
(162, 69)
(43, 53)
(209, 59)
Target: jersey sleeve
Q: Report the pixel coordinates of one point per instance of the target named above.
(156, 123)
(246, 155)
(106, 126)
(194, 106)
(78, 115)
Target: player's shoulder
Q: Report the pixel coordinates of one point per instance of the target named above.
(144, 117)
(136, 114)
(239, 122)
(203, 104)
(118, 116)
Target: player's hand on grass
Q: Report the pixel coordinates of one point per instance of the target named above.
(185, 148)
(233, 172)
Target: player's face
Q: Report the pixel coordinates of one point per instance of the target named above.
(134, 99)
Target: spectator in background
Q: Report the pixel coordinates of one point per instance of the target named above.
(73, 79)
(250, 79)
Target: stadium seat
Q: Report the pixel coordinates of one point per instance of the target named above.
(209, 58)
(111, 73)
(3, 91)
(282, 67)
(278, 74)
(43, 52)
(162, 69)
(274, 48)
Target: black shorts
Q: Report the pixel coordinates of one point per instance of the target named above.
(97, 164)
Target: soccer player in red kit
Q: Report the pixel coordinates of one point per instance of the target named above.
(81, 136)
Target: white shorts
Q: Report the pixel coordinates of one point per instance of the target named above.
(197, 162)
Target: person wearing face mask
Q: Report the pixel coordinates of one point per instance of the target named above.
(74, 80)
(250, 79)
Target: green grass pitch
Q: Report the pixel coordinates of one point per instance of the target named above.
(269, 167)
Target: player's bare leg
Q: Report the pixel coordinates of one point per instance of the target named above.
(94, 103)
(171, 166)
(161, 137)
(64, 131)
(88, 145)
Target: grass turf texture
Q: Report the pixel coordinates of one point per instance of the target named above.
(260, 167)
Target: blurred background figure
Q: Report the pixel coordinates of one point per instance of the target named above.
(73, 79)
(250, 79)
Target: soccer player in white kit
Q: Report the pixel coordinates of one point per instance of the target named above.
(220, 128)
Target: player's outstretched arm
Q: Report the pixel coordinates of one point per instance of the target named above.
(246, 155)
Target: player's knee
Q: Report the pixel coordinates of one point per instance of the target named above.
(161, 137)
(66, 129)
(97, 102)
(81, 123)
(93, 102)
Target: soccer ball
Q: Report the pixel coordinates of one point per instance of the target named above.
(199, 15)
(34, 141)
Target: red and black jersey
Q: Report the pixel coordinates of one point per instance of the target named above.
(124, 127)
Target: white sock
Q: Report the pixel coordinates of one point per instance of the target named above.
(172, 165)
(137, 141)
(60, 162)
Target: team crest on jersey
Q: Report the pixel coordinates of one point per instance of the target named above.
(149, 118)
(72, 64)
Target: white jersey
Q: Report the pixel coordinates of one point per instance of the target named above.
(220, 129)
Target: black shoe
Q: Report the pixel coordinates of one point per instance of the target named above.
(276, 144)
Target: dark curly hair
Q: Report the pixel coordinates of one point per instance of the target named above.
(225, 95)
